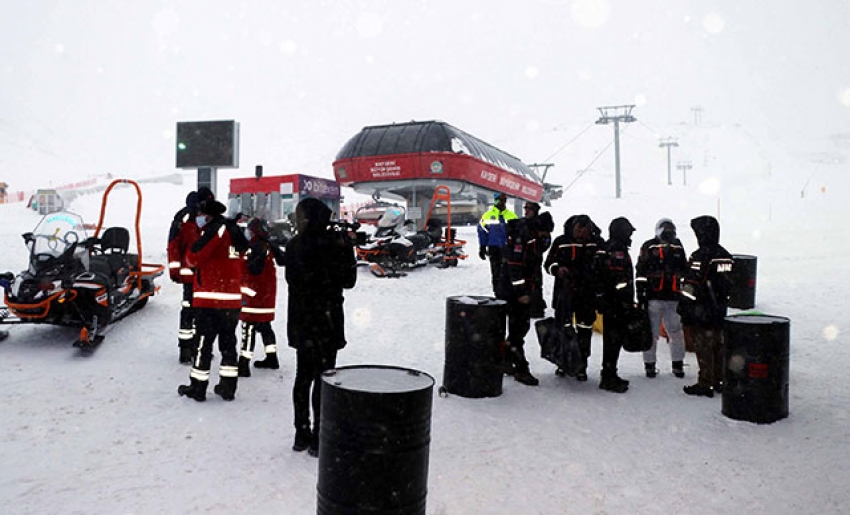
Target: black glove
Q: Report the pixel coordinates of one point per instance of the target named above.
(482, 252)
(643, 304)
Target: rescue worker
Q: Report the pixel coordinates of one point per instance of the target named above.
(618, 296)
(520, 281)
(320, 263)
(492, 235)
(704, 303)
(574, 296)
(217, 299)
(660, 267)
(182, 234)
(259, 297)
(531, 213)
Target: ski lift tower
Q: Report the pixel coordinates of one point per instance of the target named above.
(208, 146)
(668, 143)
(616, 114)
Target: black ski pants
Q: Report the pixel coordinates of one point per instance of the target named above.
(306, 390)
(215, 324)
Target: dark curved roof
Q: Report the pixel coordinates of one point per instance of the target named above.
(431, 136)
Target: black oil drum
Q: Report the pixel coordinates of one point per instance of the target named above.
(743, 295)
(755, 377)
(374, 441)
(475, 329)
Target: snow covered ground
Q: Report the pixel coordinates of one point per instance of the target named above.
(107, 433)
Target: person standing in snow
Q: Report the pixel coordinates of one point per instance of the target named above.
(618, 297)
(216, 258)
(571, 261)
(259, 297)
(704, 302)
(182, 234)
(492, 235)
(661, 265)
(545, 225)
(320, 264)
(519, 282)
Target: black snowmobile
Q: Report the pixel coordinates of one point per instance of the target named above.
(397, 245)
(77, 280)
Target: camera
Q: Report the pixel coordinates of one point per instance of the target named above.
(348, 232)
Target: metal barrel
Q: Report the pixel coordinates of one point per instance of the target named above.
(743, 295)
(756, 373)
(374, 441)
(475, 329)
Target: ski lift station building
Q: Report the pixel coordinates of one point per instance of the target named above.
(407, 161)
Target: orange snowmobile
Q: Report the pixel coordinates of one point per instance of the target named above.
(77, 280)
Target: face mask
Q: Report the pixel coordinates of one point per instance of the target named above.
(668, 236)
(201, 220)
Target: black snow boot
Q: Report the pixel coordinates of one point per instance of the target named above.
(678, 369)
(611, 382)
(650, 369)
(270, 362)
(699, 390)
(313, 450)
(196, 389)
(581, 375)
(244, 366)
(303, 438)
(516, 355)
(523, 375)
(226, 388)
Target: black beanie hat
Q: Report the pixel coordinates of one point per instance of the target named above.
(211, 207)
(205, 193)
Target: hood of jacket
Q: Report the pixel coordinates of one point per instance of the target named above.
(707, 230)
(659, 226)
(621, 230)
(314, 214)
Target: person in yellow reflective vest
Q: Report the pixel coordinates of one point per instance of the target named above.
(492, 235)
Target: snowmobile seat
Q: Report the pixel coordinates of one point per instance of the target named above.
(115, 240)
(112, 250)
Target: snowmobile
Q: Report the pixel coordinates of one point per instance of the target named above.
(397, 245)
(77, 280)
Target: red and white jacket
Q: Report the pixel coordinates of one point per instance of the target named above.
(259, 283)
(218, 266)
(182, 234)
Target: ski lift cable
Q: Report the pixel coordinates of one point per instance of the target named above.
(642, 140)
(570, 142)
(654, 132)
(581, 173)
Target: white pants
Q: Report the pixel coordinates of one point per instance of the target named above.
(665, 311)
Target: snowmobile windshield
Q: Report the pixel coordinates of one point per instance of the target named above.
(392, 217)
(56, 233)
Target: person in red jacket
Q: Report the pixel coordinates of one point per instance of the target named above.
(259, 297)
(217, 299)
(182, 234)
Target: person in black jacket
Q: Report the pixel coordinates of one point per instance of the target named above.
(319, 263)
(520, 280)
(574, 297)
(704, 302)
(660, 268)
(618, 297)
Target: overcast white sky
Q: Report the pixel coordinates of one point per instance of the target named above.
(97, 86)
